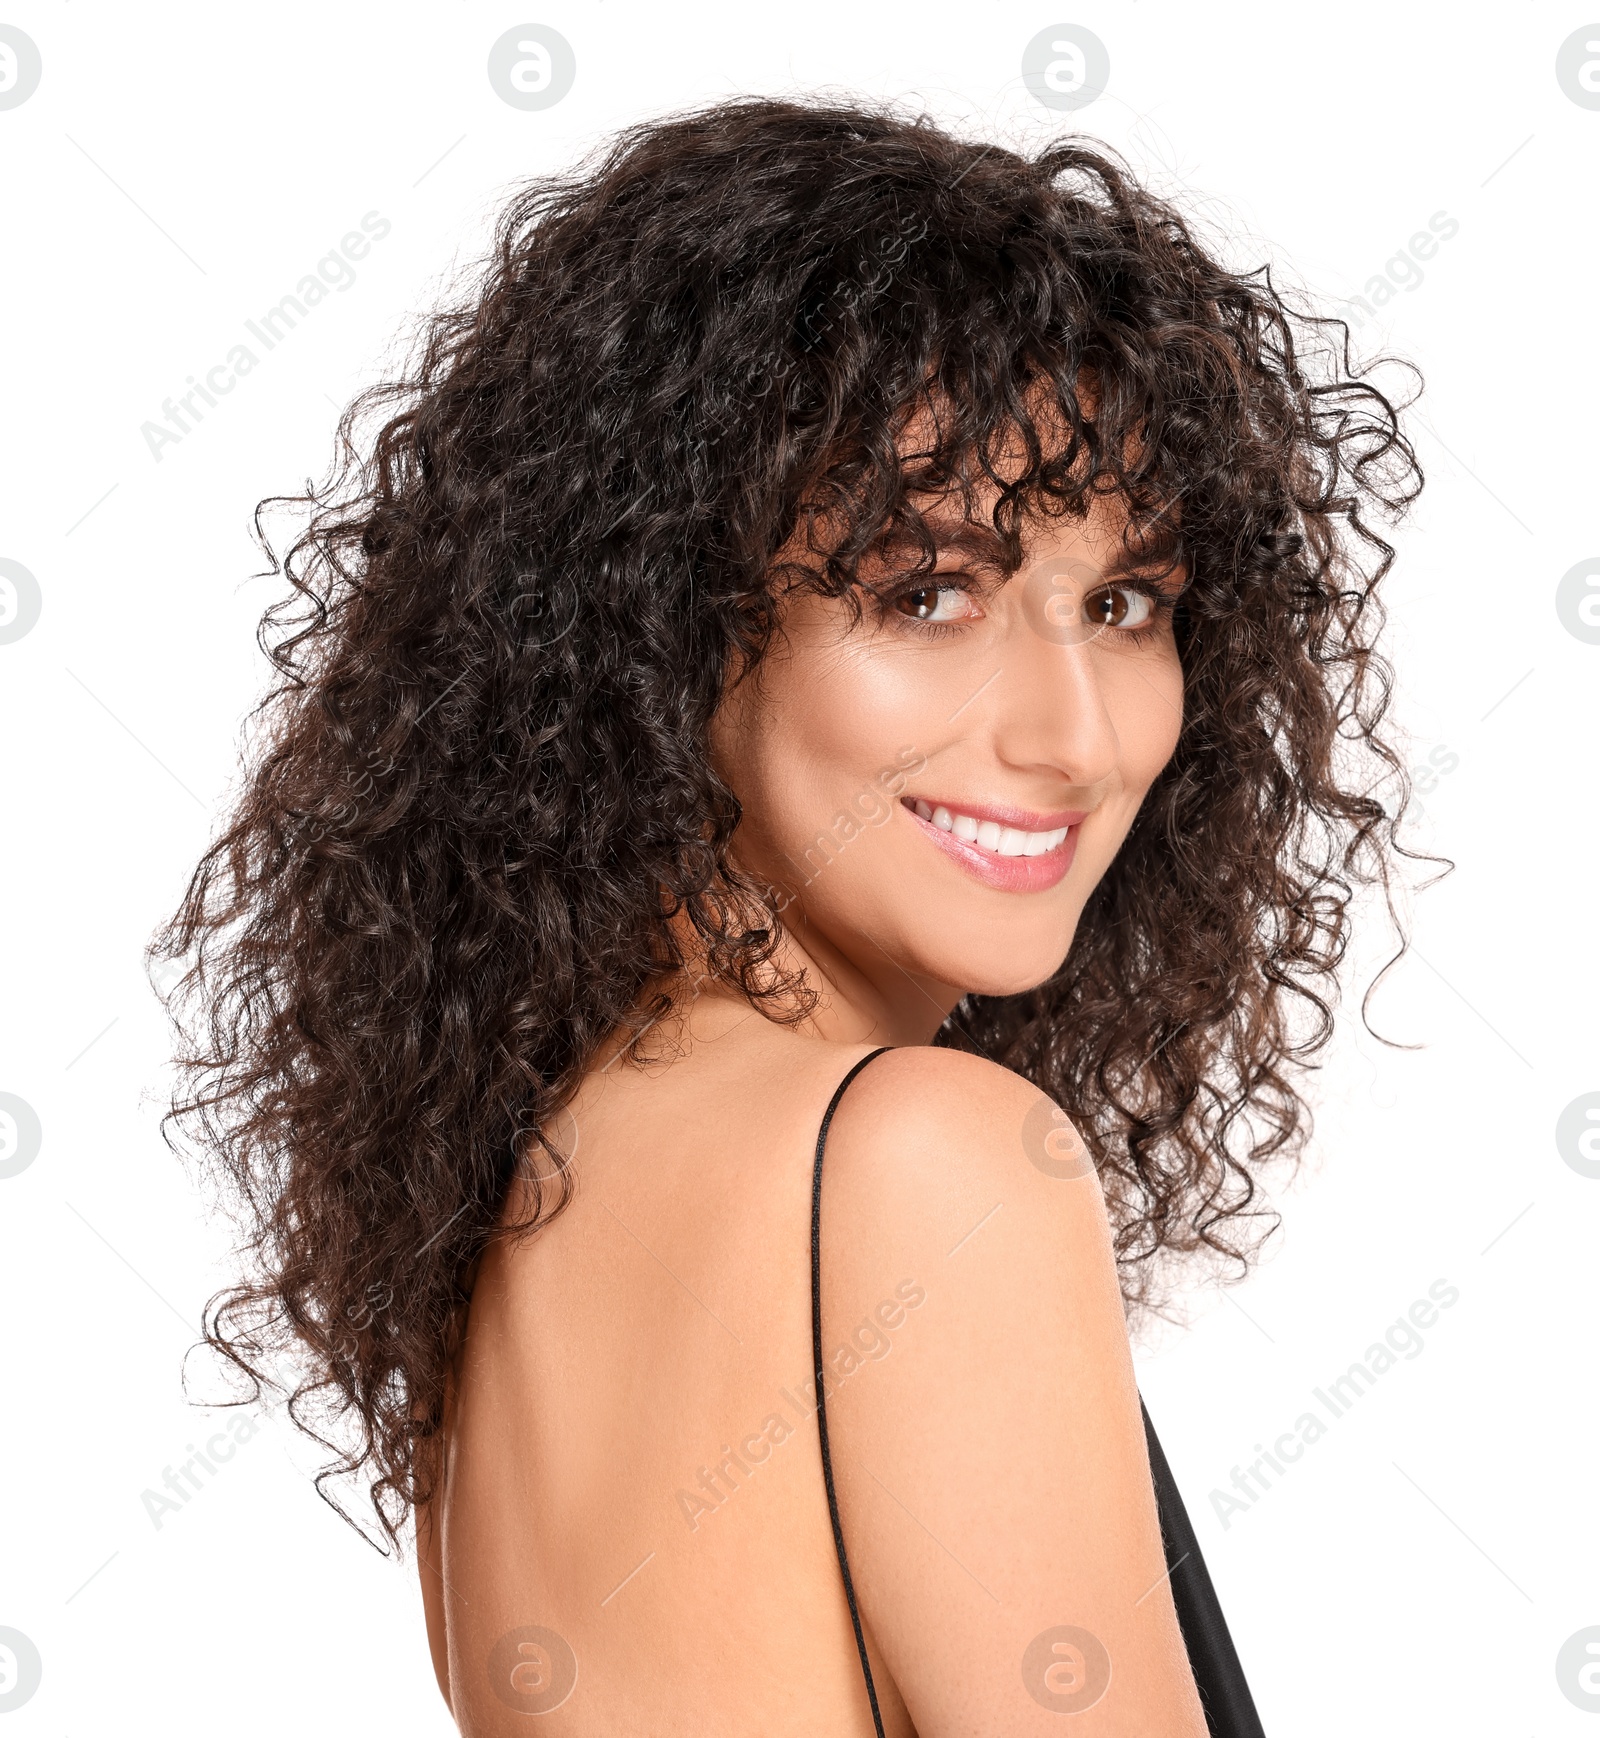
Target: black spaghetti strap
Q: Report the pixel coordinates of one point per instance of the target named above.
(1224, 1694)
(817, 1372)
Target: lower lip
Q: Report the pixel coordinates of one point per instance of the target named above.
(1008, 874)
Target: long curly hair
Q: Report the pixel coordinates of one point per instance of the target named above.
(478, 818)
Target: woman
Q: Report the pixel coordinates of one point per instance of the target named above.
(837, 607)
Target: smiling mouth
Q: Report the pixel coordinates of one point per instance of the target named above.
(990, 835)
(1008, 849)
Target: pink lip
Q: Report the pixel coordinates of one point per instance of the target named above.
(1008, 874)
(1003, 815)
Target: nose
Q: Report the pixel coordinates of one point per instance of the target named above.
(1051, 712)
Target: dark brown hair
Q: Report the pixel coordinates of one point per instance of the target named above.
(480, 788)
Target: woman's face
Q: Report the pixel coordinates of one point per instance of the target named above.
(934, 790)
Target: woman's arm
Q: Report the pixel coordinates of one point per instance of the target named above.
(992, 1473)
(430, 1567)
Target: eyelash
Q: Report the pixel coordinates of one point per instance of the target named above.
(1164, 605)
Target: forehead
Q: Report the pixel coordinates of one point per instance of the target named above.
(955, 495)
(948, 493)
(930, 426)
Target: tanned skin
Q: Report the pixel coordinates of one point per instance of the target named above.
(630, 1459)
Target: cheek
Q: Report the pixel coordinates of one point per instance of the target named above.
(853, 712)
(1146, 706)
(823, 745)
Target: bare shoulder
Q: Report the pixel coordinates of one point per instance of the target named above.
(983, 1412)
(925, 1133)
(967, 1180)
(943, 1082)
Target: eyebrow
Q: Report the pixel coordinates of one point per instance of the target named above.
(1164, 559)
(965, 538)
(961, 536)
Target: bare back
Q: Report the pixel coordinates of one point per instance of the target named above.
(632, 1533)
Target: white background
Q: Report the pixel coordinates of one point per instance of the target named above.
(178, 171)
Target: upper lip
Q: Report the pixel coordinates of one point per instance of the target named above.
(1003, 814)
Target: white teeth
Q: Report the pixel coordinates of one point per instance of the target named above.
(1003, 841)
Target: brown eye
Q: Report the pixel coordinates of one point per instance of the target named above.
(1118, 606)
(920, 603)
(1106, 609)
(937, 605)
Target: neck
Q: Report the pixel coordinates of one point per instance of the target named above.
(861, 997)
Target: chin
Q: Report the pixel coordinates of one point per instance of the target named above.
(1006, 971)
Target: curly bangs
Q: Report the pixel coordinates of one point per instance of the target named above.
(479, 791)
